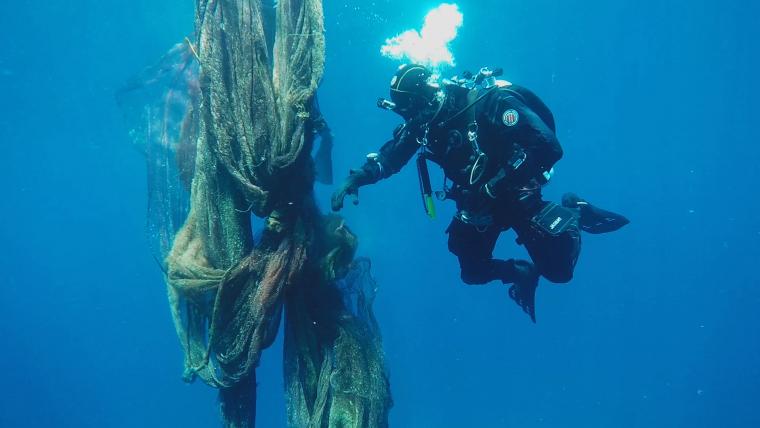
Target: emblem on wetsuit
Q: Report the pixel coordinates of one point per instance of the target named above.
(511, 117)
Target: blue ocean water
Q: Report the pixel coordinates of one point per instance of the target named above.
(656, 104)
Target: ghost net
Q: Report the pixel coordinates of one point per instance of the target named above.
(246, 123)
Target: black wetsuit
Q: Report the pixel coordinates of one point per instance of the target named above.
(516, 136)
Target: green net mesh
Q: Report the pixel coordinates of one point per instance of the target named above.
(251, 155)
(334, 371)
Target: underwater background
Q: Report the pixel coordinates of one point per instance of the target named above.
(657, 109)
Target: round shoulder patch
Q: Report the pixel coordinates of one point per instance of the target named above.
(510, 117)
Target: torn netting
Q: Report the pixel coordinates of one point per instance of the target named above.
(160, 106)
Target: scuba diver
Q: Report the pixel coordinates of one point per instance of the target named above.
(497, 146)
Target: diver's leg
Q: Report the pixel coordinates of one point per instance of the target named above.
(474, 249)
(555, 256)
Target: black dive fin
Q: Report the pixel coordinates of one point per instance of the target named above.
(523, 290)
(593, 219)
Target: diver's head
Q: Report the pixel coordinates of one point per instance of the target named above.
(415, 95)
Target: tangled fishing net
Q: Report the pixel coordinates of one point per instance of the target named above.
(230, 137)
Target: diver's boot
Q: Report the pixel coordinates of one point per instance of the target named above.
(524, 278)
(593, 219)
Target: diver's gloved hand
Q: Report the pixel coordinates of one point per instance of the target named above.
(356, 178)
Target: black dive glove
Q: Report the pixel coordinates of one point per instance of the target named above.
(356, 179)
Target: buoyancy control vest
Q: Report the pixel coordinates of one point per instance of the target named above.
(454, 141)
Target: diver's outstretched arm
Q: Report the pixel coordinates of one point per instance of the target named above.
(392, 157)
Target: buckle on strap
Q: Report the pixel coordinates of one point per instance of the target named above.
(481, 222)
(472, 132)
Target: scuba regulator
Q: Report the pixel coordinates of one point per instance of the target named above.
(485, 79)
(386, 104)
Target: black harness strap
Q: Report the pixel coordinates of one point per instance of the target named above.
(472, 98)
